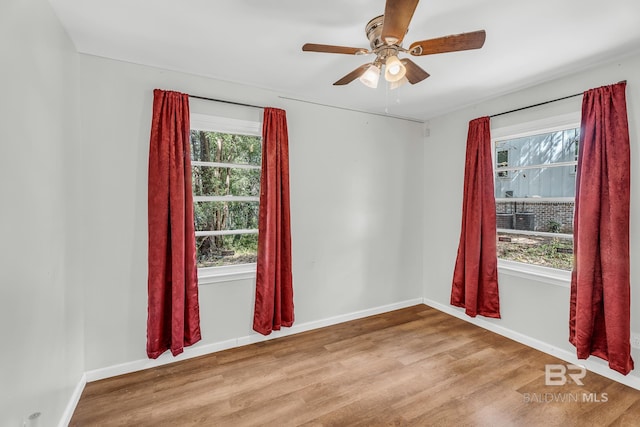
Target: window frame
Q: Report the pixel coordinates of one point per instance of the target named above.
(213, 123)
(550, 275)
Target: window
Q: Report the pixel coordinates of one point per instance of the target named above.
(226, 166)
(535, 196)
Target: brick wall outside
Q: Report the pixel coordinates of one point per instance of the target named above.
(543, 214)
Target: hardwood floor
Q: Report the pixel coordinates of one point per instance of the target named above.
(411, 367)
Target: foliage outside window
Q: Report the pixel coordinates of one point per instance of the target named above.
(226, 190)
(535, 197)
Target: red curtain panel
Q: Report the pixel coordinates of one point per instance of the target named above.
(274, 287)
(599, 322)
(173, 313)
(475, 278)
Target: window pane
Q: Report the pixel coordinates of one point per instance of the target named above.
(549, 217)
(559, 181)
(536, 169)
(225, 148)
(552, 147)
(220, 181)
(215, 216)
(537, 250)
(216, 251)
(241, 178)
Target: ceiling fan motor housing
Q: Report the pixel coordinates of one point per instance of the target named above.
(378, 46)
(374, 32)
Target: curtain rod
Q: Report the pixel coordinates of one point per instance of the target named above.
(544, 103)
(225, 101)
(537, 105)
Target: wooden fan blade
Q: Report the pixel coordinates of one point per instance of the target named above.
(397, 16)
(415, 74)
(464, 41)
(352, 75)
(325, 48)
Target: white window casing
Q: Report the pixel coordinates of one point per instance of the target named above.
(210, 123)
(538, 273)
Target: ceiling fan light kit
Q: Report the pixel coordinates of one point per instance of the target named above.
(393, 69)
(371, 76)
(386, 33)
(398, 83)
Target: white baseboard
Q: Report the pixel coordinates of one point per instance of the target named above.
(73, 402)
(201, 350)
(598, 366)
(594, 365)
(163, 359)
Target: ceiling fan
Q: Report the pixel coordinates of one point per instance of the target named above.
(385, 34)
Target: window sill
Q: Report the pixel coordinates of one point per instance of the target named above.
(228, 273)
(552, 276)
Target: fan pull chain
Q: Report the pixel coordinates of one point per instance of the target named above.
(386, 97)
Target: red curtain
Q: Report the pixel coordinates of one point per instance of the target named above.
(475, 278)
(173, 315)
(599, 322)
(274, 287)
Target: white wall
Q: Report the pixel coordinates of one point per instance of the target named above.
(533, 309)
(356, 188)
(41, 317)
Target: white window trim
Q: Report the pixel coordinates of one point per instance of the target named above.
(226, 198)
(205, 122)
(552, 276)
(537, 166)
(536, 233)
(226, 232)
(226, 273)
(536, 199)
(225, 165)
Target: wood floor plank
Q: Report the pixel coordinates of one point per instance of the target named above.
(411, 367)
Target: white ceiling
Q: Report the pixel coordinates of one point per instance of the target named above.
(258, 43)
